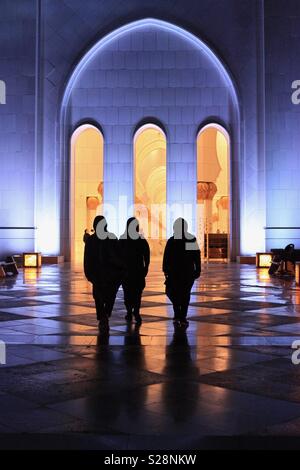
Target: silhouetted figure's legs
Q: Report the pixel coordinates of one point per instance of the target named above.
(180, 298)
(127, 302)
(100, 305)
(185, 304)
(99, 308)
(128, 305)
(184, 310)
(108, 306)
(109, 298)
(132, 300)
(136, 308)
(176, 308)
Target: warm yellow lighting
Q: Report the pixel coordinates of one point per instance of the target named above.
(213, 175)
(86, 184)
(263, 275)
(297, 274)
(263, 260)
(32, 260)
(30, 276)
(151, 185)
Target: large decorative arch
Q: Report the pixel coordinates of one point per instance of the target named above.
(139, 25)
(219, 67)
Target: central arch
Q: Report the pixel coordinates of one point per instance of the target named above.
(168, 94)
(140, 24)
(150, 184)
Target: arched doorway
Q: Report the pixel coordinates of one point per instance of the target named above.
(150, 184)
(213, 191)
(163, 92)
(86, 184)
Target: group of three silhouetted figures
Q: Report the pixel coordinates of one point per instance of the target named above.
(109, 263)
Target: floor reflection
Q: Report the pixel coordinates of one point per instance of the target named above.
(180, 392)
(229, 373)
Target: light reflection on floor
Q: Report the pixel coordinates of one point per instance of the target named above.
(230, 374)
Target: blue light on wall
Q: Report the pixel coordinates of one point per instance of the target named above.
(2, 92)
(142, 24)
(86, 96)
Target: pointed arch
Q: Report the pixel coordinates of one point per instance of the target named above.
(140, 24)
(86, 198)
(175, 138)
(150, 183)
(213, 190)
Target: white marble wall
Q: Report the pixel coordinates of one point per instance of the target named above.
(151, 73)
(282, 124)
(69, 28)
(17, 126)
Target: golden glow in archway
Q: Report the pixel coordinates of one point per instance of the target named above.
(150, 149)
(86, 184)
(213, 194)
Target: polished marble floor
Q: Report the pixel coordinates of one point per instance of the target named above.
(230, 374)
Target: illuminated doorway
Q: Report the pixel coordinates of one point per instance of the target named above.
(150, 148)
(86, 184)
(213, 191)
